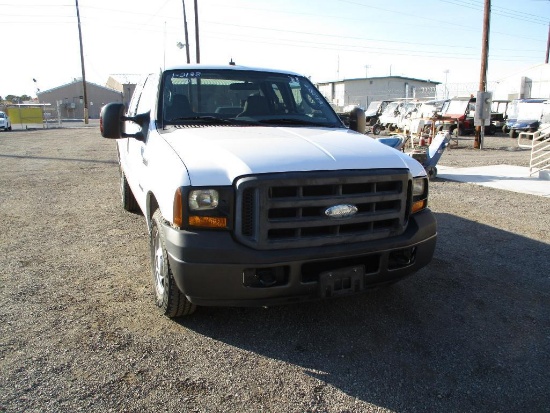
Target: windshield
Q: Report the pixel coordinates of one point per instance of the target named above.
(456, 107)
(390, 109)
(2, 116)
(529, 111)
(222, 96)
(512, 110)
(409, 107)
(373, 108)
(427, 110)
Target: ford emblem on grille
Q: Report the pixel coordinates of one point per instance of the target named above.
(341, 211)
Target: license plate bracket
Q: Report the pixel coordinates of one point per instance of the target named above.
(342, 281)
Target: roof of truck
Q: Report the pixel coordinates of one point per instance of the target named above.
(230, 67)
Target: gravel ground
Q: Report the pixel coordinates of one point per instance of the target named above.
(79, 331)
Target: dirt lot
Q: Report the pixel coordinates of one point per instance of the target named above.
(79, 331)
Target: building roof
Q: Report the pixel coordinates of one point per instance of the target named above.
(77, 80)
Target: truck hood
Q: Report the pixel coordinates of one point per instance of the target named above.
(216, 157)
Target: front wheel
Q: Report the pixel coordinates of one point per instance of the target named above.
(168, 298)
(376, 129)
(431, 171)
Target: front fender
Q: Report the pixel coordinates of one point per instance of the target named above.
(164, 173)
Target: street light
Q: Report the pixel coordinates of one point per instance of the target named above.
(367, 71)
(446, 94)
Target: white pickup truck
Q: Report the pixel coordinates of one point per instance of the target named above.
(255, 193)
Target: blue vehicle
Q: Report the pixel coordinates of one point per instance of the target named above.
(524, 117)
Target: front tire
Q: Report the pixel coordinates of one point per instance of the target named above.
(168, 298)
(432, 172)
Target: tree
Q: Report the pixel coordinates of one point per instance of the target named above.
(17, 99)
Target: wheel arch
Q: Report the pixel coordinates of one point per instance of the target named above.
(152, 206)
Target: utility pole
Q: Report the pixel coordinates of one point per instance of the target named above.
(197, 32)
(186, 35)
(82, 64)
(484, 60)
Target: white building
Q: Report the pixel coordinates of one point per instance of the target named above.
(362, 91)
(533, 82)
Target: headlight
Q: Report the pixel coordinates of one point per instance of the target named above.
(203, 208)
(419, 194)
(203, 199)
(419, 186)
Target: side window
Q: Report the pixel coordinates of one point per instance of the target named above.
(148, 98)
(132, 106)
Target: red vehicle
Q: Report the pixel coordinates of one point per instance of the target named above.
(457, 116)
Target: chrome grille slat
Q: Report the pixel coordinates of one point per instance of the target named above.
(287, 210)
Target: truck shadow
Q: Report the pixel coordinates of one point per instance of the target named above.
(469, 333)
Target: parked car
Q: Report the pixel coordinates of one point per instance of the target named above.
(511, 115)
(458, 116)
(529, 112)
(5, 122)
(422, 119)
(390, 116)
(405, 115)
(374, 110)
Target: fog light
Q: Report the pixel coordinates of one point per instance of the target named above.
(402, 258)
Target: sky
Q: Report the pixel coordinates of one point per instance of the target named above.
(326, 40)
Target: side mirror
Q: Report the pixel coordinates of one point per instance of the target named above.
(111, 122)
(357, 120)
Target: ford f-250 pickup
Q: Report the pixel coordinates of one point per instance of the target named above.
(255, 193)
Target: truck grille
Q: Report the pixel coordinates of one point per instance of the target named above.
(287, 210)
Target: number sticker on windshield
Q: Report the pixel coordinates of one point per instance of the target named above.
(187, 74)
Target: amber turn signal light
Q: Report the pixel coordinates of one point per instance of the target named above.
(207, 222)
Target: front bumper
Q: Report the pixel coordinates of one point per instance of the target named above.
(211, 268)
